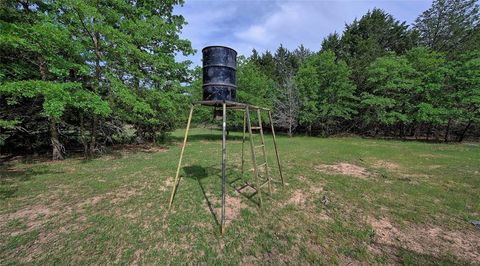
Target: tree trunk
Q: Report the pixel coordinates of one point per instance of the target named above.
(464, 132)
(447, 130)
(415, 130)
(93, 139)
(437, 134)
(57, 147)
(429, 130)
(82, 136)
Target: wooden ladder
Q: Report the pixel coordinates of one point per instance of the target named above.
(260, 181)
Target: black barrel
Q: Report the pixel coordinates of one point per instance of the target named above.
(219, 78)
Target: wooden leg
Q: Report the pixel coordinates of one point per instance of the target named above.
(224, 164)
(243, 141)
(275, 146)
(177, 175)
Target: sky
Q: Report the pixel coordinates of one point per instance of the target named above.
(265, 24)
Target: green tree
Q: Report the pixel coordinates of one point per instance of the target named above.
(113, 52)
(430, 98)
(266, 63)
(464, 91)
(33, 34)
(448, 25)
(374, 35)
(333, 43)
(254, 87)
(393, 83)
(326, 92)
(131, 47)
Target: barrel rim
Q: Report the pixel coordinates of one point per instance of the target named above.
(220, 66)
(218, 46)
(219, 84)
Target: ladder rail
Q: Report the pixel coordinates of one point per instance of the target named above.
(275, 146)
(264, 151)
(252, 148)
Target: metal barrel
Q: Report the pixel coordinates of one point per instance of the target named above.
(219, 73)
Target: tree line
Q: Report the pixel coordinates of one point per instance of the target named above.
(379, 77)
(78, 76)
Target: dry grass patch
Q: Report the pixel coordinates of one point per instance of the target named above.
(344, 169)
(233, 206)
(386, 165)
(426, 239)
(433, 156)
(297, 198)
(128, 148)
(33, 216)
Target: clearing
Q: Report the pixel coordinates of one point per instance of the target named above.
(346, 201)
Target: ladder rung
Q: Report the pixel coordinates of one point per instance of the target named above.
(256, 127)
(263, 184)
(263, 164)
(242, 187)
(259, 146)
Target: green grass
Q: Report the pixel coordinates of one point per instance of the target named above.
(114, 208)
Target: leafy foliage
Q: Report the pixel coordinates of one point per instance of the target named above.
(326, 92)
(112, 62)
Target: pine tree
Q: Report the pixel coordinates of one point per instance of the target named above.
(448, 25)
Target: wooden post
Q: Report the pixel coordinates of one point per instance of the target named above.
(177, 175)
(275, 145)
(224, 164)
(243, 141)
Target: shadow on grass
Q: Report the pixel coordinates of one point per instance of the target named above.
(407, 256)
(198, 172)
(233, 176)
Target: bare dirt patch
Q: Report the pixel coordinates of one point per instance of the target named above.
(34, 216)
(427, 239)
(386, 165)
(316, 189)
(123, 195)
(168, 183)
(32, 212)
(90, 202)
(430, 155)
(297, 198)
(302, 178)
(233, 206)
(139, 148)
(344, 169)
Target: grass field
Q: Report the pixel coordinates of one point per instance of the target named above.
(346, 200)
